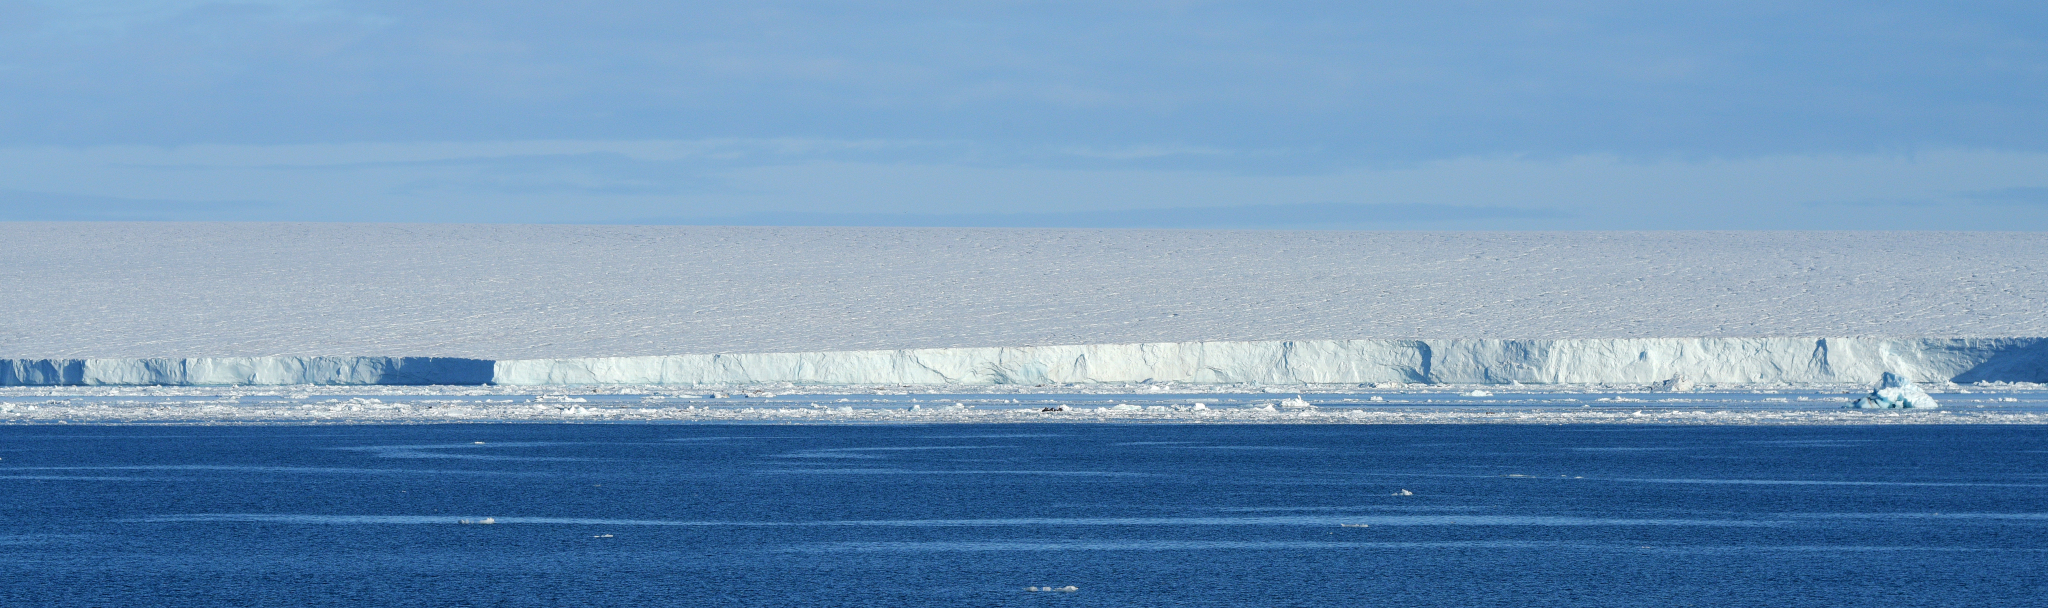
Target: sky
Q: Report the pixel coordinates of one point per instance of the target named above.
(1449, 115)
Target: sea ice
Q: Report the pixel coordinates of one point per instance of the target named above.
(2012, 403)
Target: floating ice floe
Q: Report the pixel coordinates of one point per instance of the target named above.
(1895, 392)
(995, 404)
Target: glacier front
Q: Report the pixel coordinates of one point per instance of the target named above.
(499, 292)
(1723, 361)
(255, 303)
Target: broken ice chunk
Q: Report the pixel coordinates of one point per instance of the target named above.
(1677, 384)
(1894, 392)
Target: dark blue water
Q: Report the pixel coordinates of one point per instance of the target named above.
(1144, 515)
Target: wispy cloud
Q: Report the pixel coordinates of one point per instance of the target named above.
(1336, 216)
(2026, 195)
(939, 182)
(16, 205)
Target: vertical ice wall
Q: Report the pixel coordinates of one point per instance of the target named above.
(1455, 361)
(1712, 360)
(245, 370)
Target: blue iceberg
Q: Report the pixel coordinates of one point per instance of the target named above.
(1895, 392)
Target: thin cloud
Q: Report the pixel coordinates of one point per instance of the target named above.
(2025, 195)
(1297, 215)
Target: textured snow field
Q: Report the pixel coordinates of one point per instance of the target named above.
(510, 292)
(1986, 403)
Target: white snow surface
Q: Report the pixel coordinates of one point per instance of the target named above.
(512, 292)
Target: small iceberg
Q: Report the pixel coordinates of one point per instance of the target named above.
(1895, 392)
(1478, 393)
(1677, 384)
(1404, 492)
(1296, 403)
(485, 521)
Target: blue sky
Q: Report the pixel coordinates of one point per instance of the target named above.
(1440, 115)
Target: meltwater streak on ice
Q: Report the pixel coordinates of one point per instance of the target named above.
(1448, 361)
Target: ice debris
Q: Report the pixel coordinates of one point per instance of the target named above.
(1677, 384)
(1895, 392)
(1296, 403)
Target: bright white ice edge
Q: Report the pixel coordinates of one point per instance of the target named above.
(1450, 361)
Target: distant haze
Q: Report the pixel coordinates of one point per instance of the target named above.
(1317, 115)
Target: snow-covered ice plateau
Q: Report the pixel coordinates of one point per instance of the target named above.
(250, 303)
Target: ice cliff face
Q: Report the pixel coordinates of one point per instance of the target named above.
(1636, 361)
(245, 370)
(1454, 361)
(1895, 392)
(218, 303)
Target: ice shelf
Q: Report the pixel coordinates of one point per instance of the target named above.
(244, 370)
(505, 292)
(1427, 361)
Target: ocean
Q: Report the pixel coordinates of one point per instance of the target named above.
(1042, 514)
